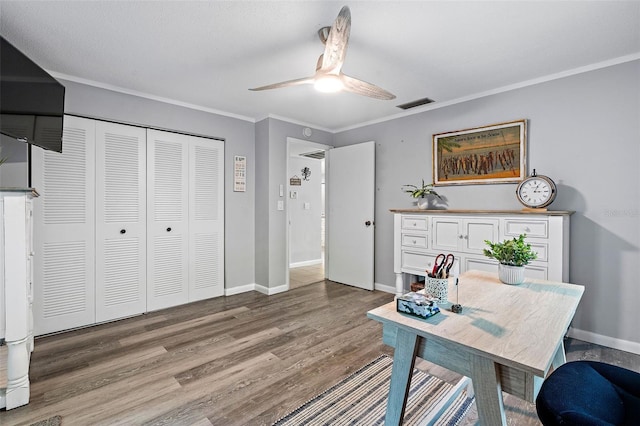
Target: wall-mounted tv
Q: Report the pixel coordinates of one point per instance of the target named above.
(31, 101)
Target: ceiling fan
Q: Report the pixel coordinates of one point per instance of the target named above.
(328, 76)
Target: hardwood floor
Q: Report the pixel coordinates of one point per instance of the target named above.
(305, 275)
(246, 359)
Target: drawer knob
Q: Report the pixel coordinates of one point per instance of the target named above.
(527, 229)
(169, 229)
(415, 223)
(414, 241)
(123, 231)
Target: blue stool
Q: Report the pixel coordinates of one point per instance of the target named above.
(590, 393)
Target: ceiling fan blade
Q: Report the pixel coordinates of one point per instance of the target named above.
(335, 48)
(288, 83)
(360, 87)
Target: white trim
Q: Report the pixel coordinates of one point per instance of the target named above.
(532, 82)
(271, 290)
(147, 95)
(436, 105)
(292, 121)
(305, 263)
(385, 288)
(599, 339)
(240, 289)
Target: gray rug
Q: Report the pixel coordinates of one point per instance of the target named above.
(361, 399)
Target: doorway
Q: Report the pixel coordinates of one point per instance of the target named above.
(305, 197)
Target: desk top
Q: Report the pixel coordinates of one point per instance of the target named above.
(516, 325)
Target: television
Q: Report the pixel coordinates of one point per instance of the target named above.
(31, 101)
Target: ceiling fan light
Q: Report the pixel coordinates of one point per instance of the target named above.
(328, 84)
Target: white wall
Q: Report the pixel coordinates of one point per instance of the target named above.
(584, 132)
(305, 213)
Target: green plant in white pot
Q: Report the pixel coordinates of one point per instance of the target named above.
(421, 193)
(513, 255)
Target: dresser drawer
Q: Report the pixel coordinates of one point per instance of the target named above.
(416, 262)
(533, 228)
(542, 249)
(415, 240)
(415, 222)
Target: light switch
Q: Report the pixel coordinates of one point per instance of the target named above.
(307, 206)
(280, 205)
(281, 191)
(293, 194)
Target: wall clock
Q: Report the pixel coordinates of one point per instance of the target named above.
(536, 191)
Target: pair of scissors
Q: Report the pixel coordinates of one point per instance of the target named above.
(438, 264)
(447, 265)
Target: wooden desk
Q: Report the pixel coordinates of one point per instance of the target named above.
(506, 339)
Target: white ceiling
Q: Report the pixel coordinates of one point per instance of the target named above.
(208, 54)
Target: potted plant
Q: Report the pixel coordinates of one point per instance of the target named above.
(421, 193)
(513, 255)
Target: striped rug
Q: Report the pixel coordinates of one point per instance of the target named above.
(361, 399)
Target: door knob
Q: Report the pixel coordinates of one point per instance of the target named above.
(368, 223)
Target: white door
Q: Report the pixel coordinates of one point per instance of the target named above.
(206, 218)
(350, 220)
(120, 221)
(64, 230)
(168, 219)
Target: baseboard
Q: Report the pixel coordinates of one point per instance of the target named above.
(305, 263)
(599, 339)
(240, 289)
(385, 288)
(271, 290)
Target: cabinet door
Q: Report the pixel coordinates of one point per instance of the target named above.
(64, 224)
(446, 233)
(120, 220)
(476, 231)
(206, 218)
(168, 219)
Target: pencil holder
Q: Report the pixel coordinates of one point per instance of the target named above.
(438, 288)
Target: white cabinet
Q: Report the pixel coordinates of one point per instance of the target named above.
(185, 224)
(131, 220)
(64, 230)
(16, 295)
(420, 235)
(121, 221)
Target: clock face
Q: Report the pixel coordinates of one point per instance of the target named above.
(536, 191)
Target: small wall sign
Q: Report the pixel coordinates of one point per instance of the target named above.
(295, 181)
(239, 173)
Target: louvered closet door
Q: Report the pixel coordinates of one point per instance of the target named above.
(167, 219)
(64, 223)
(120, 220)
(206, 218)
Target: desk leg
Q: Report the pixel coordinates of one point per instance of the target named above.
(486, 385)
(404, 358)
(559, 358)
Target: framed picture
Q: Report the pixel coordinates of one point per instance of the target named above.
(488, 154)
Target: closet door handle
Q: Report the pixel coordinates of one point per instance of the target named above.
(169, 229)
(123, 231)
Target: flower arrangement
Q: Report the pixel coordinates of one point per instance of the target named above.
(514, 252)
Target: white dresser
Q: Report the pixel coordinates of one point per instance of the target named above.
(420, 235)
(16, 295)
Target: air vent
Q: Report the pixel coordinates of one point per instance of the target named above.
(416, 103)
(318, 155)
